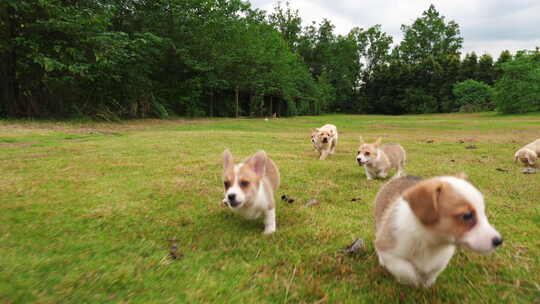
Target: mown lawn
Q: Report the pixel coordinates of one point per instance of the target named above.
(87, 209)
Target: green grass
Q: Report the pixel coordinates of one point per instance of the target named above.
(86, 211)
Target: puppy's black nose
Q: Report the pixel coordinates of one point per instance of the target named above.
(231, 196)
(497, 241)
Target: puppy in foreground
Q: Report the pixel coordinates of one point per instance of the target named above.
(419, 223)
(250, 187)
(528, 154)
(324, 140)
(378, 159)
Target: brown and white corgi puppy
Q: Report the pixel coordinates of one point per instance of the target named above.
(378, 159)
(419, 223)
(324, 140)
(250, 186)
(528, 154)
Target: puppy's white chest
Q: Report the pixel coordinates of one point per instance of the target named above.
(428, 261)
(251, 213)
(256, 209)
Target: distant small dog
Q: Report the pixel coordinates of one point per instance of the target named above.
(528, 154)
(250, 186)
(377, 160)
(324, 140)
(419, 223)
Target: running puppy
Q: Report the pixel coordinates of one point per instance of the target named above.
(419, 223)
(528, 154)
(377, 160)
(324, 140)
(250, 186)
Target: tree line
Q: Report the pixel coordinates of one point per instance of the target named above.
(115, 59)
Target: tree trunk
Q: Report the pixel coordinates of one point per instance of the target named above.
(8, 81)
(236, 93)
(211, 102)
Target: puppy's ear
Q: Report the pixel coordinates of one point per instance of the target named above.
(462, 175)
(423, 199)
(257, 162)
(378, 142)
(227, 159)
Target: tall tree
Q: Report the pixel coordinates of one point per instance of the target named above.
(288, 22)
(430, 35)
(469, 67)
(486, 72)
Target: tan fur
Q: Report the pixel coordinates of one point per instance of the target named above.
(325, 140)
(382, 158)
(419, 224)
(250, 186)
(433, 202)
(270, 180)
(386, 196)
(437, 206)
(529, 154)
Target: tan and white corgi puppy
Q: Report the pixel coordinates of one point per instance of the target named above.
(378, 159)
(324, 140)
(250, 186)
(419, 223)
(528, 154)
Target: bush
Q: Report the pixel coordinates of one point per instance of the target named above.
(473, 96)
(518, 89)
(419, 102)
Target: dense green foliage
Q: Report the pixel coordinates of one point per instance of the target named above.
(112, 59)
(518, 90)
(473, 96)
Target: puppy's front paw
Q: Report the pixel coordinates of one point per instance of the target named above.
(268, 231)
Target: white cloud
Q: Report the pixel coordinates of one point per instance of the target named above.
(486, 26)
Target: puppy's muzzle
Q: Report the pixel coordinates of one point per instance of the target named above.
(360, 162)
(325, 140)
(496, 241)
(231, 199)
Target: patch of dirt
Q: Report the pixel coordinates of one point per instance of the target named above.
(105, 128)
(15, 145)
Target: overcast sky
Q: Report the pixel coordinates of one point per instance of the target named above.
(487, 26)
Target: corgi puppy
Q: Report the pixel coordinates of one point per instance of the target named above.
(377, 160)
(250, 186)
(324, 140)
(419, 223)
(528, 154)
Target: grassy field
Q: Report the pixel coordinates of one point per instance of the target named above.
(87, 211)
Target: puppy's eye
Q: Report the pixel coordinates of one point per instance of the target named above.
(244, 184)
(227, 184)
(467, 217)
(366, 153)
